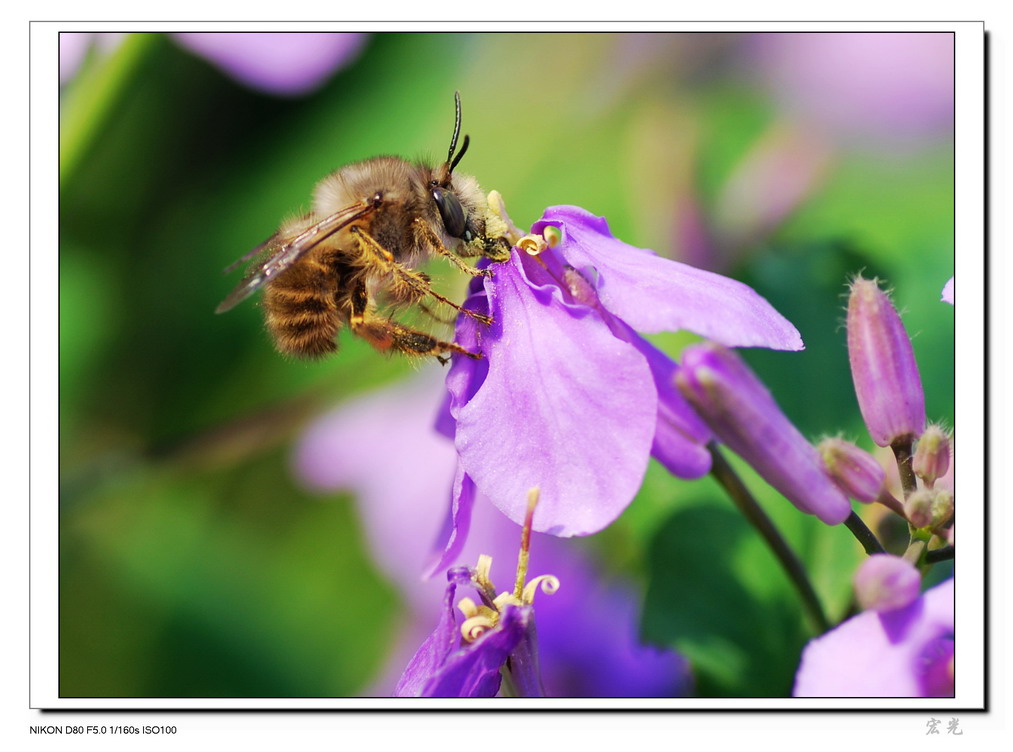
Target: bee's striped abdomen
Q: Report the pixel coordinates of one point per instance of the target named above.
(301, 311)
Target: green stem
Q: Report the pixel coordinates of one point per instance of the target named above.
(751, 510)
(915, 551)
(939, 554)
(864, 536)
(91, 99)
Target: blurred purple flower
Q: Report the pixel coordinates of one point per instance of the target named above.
(568, 396)
(287, 64)
(782, 169)
(401, 495)
(885, 582)
(74, 47)
(892, 90)
(948, 292)
(907, 652)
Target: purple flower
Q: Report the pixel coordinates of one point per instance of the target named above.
(466, 660)
(741, 412)
(907, 652)
(568, 396)
(401, 513)
(885, 582)
(883, 366)
(948, 292)
(278, 63)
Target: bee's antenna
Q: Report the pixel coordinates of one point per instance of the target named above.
(457, 127)
(464, 148)
(451, 159)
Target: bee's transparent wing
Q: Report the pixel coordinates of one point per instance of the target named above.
(282, 253)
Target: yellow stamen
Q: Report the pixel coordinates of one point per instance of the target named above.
(468, 607)
(548, 583)
(501, 224)
(532, 244)
(482, 573)
(480, 618)
(476, 626)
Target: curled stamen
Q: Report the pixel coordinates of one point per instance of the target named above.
(506, 599)
(476, 626)
(533, 245)
(468, 607)
(548, 583)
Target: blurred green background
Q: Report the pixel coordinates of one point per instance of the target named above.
(191, 562)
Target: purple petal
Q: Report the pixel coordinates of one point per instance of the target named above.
(948, 292)
(904, 653)
(339, 452)
(278, 63)
(473, 671)
(680, 436)
(603, 656)
(432, 654)
(654, 294)
(451, 538)
(524, 664)
(565, 406)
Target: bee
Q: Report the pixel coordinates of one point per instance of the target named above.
(371, 225)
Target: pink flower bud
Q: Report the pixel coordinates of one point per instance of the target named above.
(883, 366)
(741, 412)
(856, 472)
(885, 583)
(932, 457)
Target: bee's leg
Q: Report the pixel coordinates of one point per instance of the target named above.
(415, 284)
(386, 335)
(434, 315)
(429, 238)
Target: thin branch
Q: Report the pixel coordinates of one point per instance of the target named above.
(751, 510)
(864, 536)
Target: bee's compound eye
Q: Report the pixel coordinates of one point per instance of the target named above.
(451, 211)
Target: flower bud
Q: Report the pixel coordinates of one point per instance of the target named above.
(885, 583)
(741, 412)
(856, 472)
(918, 507)
(883, 367)
(932, 457)
(942, 507)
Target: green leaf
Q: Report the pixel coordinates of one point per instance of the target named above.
(740, 641)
